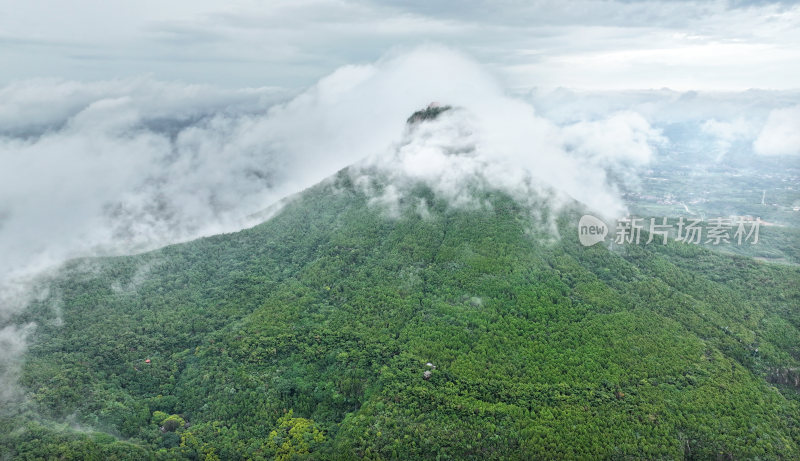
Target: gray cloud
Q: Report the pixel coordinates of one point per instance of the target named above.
(33, 106)
(582, 44)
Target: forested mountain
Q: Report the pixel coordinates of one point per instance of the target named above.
(334, 331)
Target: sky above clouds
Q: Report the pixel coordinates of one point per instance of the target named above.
(583, 44)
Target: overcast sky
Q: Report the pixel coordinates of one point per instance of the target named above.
(716, 45)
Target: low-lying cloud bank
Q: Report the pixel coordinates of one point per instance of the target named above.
(755, 121)
(781, 134)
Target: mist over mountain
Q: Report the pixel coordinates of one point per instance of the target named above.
(127, 165)
(131, 165)
(261, 273)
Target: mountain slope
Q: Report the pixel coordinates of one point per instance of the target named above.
(310, 335)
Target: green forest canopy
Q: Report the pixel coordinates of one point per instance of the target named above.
(308, 336)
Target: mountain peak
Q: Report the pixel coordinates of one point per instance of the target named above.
(429, 113)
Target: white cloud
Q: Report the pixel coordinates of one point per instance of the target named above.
(623, 137)
(13, 344)
(781, 133)
(726, 133)
(503, 143)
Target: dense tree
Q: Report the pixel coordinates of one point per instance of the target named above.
(308, 336)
